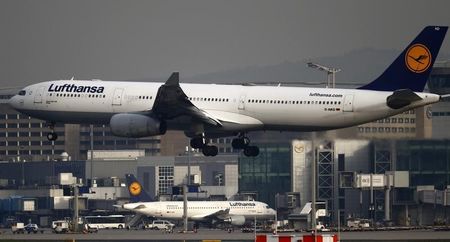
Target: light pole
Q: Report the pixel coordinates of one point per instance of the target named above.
(91, 136)
(188, 151)
(185, 190)
(313, 188)
(75, 217)
(331, 73)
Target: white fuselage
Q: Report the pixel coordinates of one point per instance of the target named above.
(240, 108)
(202, 210)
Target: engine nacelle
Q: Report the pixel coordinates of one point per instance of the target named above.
(136, 125)
(235, 220)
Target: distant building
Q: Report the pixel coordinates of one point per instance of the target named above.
(416, 123)
(25, 138)
(38, 182)
(439, 83)
(216, 176)
(267, 174)
(284, 168)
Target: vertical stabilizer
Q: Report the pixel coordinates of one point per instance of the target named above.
(413, 66)
(137, 192)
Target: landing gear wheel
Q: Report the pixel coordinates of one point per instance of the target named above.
(52, 136)
(210, 150)
(197, 143)
(240, 143)
(251, 151)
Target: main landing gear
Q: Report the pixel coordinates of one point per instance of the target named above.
(243, 143)
(52, 136)
(240, 143)
(207, 150)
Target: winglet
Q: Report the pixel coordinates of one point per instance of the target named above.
(413, 66)
(174, 79)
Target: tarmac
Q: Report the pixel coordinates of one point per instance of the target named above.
(217, 235)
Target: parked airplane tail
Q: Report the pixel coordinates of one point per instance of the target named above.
(137, 192)
(412, 67)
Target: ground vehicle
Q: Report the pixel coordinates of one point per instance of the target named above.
(358, 223)
(60, 226)
(32, 228)
(105, 222)
(160, 224)
(321, 227)
(18, 228)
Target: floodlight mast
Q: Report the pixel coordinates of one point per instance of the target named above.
(331, 73)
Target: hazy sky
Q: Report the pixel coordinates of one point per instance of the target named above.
(115, 40)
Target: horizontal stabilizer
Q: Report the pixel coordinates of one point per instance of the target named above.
(445, 96)
(401, 98)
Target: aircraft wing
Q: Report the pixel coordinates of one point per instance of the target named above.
(216, 214)
(172, 102)
(401, 98)
(234, 117)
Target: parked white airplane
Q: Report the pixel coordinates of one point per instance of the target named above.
(234, 212)
(136, 109)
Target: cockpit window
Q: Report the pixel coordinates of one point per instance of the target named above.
(22, 93)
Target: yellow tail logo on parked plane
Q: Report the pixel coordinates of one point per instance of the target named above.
(135, 188)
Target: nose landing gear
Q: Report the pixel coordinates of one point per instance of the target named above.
(52, 136)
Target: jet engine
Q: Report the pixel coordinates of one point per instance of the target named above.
(136, 125)
(235, 220)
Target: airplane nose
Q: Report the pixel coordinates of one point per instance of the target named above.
(13, 101)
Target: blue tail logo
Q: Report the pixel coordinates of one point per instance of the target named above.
(412, 67)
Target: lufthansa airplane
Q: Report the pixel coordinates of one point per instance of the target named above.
(233, 212)
(136, 109)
